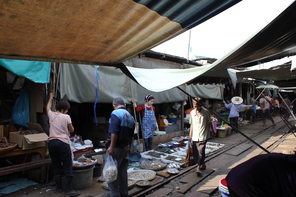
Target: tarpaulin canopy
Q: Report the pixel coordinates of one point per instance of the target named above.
(267, 86)
(96, 32)
(158, 80)
(274, 41)
(77, 84)
(38, 72)
(279, 73)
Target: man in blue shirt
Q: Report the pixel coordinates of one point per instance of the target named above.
(120, 137)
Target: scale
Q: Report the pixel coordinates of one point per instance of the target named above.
(163, 121)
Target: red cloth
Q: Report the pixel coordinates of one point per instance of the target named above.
(188, 111)
(141, 109)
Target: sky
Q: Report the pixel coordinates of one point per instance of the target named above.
(221, 34)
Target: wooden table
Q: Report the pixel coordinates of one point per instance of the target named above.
(18, 151)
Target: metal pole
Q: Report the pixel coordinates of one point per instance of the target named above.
(233, 127)
(188, 52)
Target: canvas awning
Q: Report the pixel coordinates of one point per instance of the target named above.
(96, 32)
(276, 40)
(113, 83)
(267, 86)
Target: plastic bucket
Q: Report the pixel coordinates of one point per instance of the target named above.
(222, 132)
(173, 120)
(223, 188)
(82, 178)
(97, 170)
(224, 193)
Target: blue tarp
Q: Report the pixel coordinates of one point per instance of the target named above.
(15, 184)
(36, 71)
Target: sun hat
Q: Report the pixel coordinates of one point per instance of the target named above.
(236, 100)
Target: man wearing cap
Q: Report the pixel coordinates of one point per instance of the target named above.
(235, 106)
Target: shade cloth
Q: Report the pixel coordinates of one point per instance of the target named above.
(77, 84)
(36, 71)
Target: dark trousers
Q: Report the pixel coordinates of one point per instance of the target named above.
(61, 158)
(199, 152)
(234, 121)
(119, 187)
(148, 143)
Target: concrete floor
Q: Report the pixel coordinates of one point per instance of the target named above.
(217, 168)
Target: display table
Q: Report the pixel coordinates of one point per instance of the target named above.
(19, 167)
(166, 138)
(170, 128)
(18, 151)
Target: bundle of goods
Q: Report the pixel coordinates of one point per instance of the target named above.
(143, 183)
(78, 145)
(164, 150)
(29, 132)
(3, 142)
(175, 158)
(155, 154)
(172, 170)
(83, 162)
(5, 145)
(145, 175)
(130, 184)
(154, 165)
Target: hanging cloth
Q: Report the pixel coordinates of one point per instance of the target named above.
(96, 84)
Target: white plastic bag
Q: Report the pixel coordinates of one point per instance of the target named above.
(110, 169)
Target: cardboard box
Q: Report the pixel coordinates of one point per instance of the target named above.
(29, 141)
(2, 131)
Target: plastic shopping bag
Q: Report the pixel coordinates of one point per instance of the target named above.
(110, 169)
(189, 160)
(21, 109)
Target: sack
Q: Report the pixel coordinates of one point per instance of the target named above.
(189, 160)
(110, 169)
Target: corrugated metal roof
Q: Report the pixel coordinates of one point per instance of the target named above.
(96, 32)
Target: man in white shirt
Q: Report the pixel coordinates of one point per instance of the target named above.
(200, 127)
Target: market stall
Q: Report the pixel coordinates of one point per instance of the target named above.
(151, 167)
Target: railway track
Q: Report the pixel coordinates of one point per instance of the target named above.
(269, 137)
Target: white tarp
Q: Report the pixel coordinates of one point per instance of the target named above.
(77, 84)
(158, 80)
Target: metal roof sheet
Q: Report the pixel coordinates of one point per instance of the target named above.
(96, 32)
